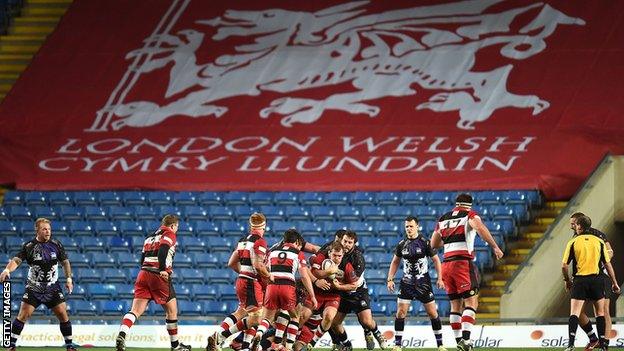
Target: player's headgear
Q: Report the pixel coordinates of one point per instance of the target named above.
(257, 220)
(463, 199)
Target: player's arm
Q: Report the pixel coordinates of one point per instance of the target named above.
(394, 267)
(319, 273)
(69, 282)
(609, 249)
(234, 262)
(567, 258)
(436, 240)
(438, 267)
(10, 267)
(307, 283)
(260, 250)
(310, 248)
(604, 257)
(345, 286)
(476, 223)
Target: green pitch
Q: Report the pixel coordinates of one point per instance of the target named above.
(148, 349)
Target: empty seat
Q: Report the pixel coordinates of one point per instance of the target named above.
(79, 307)
(194, 212)
(219, 244)
(80, 228)
(7, 228)
(102, 291)
(332, 227)
(203, 292)
(220, 213)
(234, 198)
(360, 198)
(34, 198)
(206, 228)
(126, 260)
(119, 244)
(286, 198)
(227, 292)
(183, 292)
(158, 198)
(102, 260)
(94, 213)
(206, 260)
(440, 198)
(191, 276)
(308, 228)
(414, 198)
(210, 198)
(387, 228)
(112, 308)
(87, 275)
(92, 244)
(311, 198)
(216, 308)
(374, 213)
(337, 198)
(372, 244)
(487, 197)
(279, 227)
(273, 213)
(13, 197)
(221, 276)
(183, 260)
(348, 213)
(129, 227)
(84, 198)
(190, 308)
(184, 198)
(125, 291)
(242, 212)
(44, 212)
(361, 228)
(78, 260)
(323, 213)
(388, 198)
(69, 213)
(296, 213)
(105, 228)
(163, 210)
(144, 213)
(115, 275)
(133, 198)
(108, 198)
(58, 198)
(19, 213)
(261, 198)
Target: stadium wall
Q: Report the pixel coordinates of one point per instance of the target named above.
(537, 290)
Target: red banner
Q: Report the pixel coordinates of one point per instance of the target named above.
(276, 95)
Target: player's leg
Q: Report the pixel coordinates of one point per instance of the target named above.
(292, 329)
(469, 317)
(399, 320)
(340, 335)
(467, 281)
(281, 322)
(139, 305)
(576, 306)
(171, 320)
(60, 311)
(588, 328)
(455, 317)
(26, 310)
(233, 323)
(365, 317)
(436, 325)
(268, 317)
(329, 313)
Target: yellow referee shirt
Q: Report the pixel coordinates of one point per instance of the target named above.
(586, 251)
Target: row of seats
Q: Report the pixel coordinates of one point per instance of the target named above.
(231, 229)
(518, 212)
(155, 198)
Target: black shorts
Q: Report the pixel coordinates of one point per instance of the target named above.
(588, 288)
(609, 294)
(355, 302)
(421, 292)
(51, 296)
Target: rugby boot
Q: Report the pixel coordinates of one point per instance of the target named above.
(381, 340)
(181, 347)
(592, 345)
(71, 347)
(370, 342)
(120, 343)
(462, 345)
(442, 348)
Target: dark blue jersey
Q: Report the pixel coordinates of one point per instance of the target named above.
(43, 259)
(415, 254)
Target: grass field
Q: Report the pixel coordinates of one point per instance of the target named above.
(148, 349)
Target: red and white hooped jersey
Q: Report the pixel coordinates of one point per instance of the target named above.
(347, 276)
(163, 236)
(249, 248)
(284, 261)
(456, 232)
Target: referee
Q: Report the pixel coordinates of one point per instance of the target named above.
(586, 251)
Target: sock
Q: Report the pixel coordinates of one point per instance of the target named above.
(228, 322)
(572, 325)
(436, 325)
(342, 338)
(66, 330)
(280, 326)
(589, 330)
(467, 321)
(262, 328)
(126, 323)
(601, 326)
(318, 333)
(16, 330)
(172, 329)
(239, 338)
(333, 335)
(399, 326)
(455, 320)
(291, 334)
(249, 336)
(238, 326)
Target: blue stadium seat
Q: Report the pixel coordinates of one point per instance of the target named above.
(220, 213)
(210, 198)
(362, 229)
(79, 292)
(69, 213)
(19, 213)
(227, 292)
(234, 198)
(242, 212)
(183, 260)
(206, 260)
(330, 227)
(27, 228)
(4, 216)
(133, 198)
(221, 276)
(34, 198)
(191, 276)
(101, 291)
(273, 213)
(83, 308)
(312, 198)
(398, 213)
(115, 275)
(129, 227)
(143, 213)
(323, 213)
(534, 196)
(384, 259)
(387, 198)
(112, 308)
(412, 198)
(102, 260)
(206, 228)
(373, 244)
(70, 244)
(286, 198)
(183, 291)
(308, 228)
(440, 198)
(87, 275)
(261, 198)
(58, 198)
(13, 197)
(444, 307)
(387, 229)
(192, 244)
(279, 227)
(483, 211)
(427, 227)
(219, 244)
(164, 210)
(382, 294)
(340, 198)
(376, 276)
(428, 212)
(80, 228)
(186, 229)
(507, 226)
(158, 198)
(348, 213)
(92, 244)
(380, 308)
(194, 212)
(484, 258)
(44, 212)
(108, 198)
(126, 260)
(14, 244)
(488, 197)
(7, 228)
(297, 213)
(190, 308)
(84, 198)
(78, 260)
(94, 213)
(216, 308)
(184, 198)
(105, 228)
(374, 213)
(119, 244)
(201, 292)
(361, 198)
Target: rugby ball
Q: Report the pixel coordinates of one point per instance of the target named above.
(327, 263)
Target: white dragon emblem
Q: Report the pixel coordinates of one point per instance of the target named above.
(393, 53)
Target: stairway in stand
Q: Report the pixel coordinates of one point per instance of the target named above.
(493, 283)
(29, 30)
